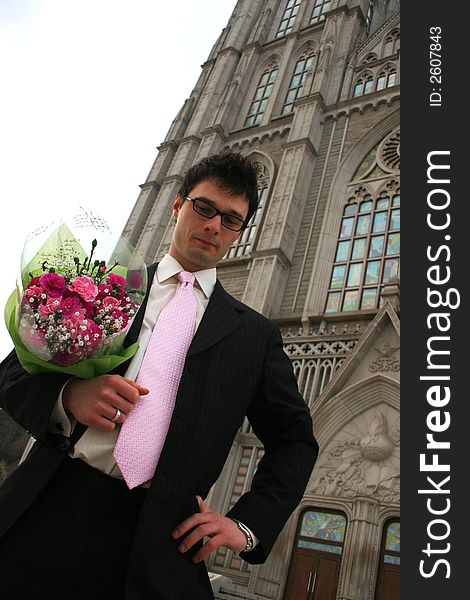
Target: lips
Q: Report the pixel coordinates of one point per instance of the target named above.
(206, 242)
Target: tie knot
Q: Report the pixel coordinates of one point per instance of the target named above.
(185, 277)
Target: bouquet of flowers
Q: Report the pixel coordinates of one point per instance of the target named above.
(74, 309)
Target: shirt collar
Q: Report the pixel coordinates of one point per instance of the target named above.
(169, 267)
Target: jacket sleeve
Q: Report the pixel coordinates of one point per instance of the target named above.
(30, 399)
(281, 420)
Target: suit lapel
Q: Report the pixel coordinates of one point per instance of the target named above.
(222, 316)
(133, 333)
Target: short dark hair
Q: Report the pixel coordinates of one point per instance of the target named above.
(231, 171)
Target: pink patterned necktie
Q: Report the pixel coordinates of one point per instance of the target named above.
(143, 433)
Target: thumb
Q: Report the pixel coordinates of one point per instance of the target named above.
(202, 507)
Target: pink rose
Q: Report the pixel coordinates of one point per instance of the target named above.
(54, 285)
(85, 286)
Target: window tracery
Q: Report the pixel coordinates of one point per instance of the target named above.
(302, 67)
(288, 18)
(368, 246)
(244, 244)
(262, 94)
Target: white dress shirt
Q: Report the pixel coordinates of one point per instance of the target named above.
(96, 446)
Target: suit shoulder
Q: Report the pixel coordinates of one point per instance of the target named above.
(253, 316)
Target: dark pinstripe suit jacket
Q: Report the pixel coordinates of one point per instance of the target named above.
(235, 367)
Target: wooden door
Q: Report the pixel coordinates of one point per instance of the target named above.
(313, 576)
(388, 587)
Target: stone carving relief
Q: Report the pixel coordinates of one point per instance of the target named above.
(346, 328)
(389, 153)
(386, 361)
(364, 463)
(262, 174)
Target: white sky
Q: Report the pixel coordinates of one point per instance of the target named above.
(88, 91)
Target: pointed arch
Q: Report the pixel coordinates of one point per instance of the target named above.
(335, 206)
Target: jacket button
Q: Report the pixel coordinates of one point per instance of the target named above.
(65, 445)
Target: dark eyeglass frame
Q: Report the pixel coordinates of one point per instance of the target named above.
(214, 211)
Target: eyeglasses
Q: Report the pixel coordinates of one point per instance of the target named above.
(205, 209)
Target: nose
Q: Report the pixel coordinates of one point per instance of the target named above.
(213, 225)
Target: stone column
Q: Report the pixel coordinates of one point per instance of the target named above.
(275, 248)
(360, 552)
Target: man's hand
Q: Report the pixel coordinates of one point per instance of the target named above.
(93, 402)
(221, 530)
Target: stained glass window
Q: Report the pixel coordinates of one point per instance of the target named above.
(366, 164)
(297, 82)
(369, 298)
(392, 541)
(337, 278)
(321, 547)
(342, 251)
(288, 18)
(376, 246)
(319, 9)
(261, 97)
(358, 250)
(391, 550)
(324, 526)
(369, 230)
(323, 531)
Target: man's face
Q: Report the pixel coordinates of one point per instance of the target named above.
(199, 243)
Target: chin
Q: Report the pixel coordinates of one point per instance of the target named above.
(201, 260)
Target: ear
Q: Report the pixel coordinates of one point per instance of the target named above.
(176, 206)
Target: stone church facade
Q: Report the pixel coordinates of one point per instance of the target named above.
(309, 90)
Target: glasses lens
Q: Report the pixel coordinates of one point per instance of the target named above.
(204, 208)
(231, 222)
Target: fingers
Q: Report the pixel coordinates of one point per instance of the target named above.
(142, 390)
(202, 507)
(94, 402)
(221, 530)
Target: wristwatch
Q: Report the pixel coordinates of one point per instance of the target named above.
(249, 537)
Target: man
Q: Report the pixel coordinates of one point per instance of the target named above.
(69, 524)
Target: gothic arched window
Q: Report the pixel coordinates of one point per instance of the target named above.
(288, 18)
(262, 93)
(368, 247)
(319, 9)
(297, 81)
(364, 85)
(387, 78)
(244, 244)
